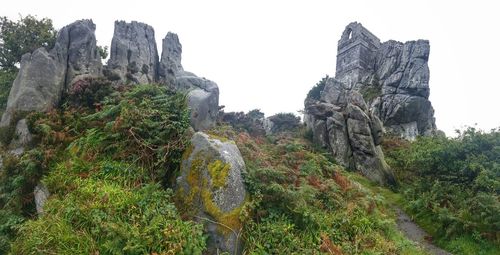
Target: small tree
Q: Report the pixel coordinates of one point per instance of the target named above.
(20, 37)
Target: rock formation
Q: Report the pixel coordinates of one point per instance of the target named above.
(392, 76)
(133, 55)
(203, 94)
(341, 121)
(211, 190)
(43, 76)
(377, 87)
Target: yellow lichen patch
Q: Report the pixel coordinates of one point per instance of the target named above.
(218, 171)
(218, 137)
(187, 152)
(229, 221)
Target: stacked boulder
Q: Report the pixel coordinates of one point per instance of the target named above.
(341, 121)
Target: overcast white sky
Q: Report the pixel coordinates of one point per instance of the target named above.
(268, 54)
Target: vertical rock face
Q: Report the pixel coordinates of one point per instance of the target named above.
(212, 190)
(43, 76)
(83, 57)
(171, 56)
(203, 94)
(134, 56)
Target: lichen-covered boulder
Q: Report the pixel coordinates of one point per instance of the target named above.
(211, 190)
(134, 56)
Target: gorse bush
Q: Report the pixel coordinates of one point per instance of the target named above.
(454, 181)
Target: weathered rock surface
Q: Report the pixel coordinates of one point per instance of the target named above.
(351, 132)
(83, 57)
(393, 77)
(203, 94)
(171, 57)
(38, 85)
(43, 76)
(212, 190)
(133, 55)
(41, 194)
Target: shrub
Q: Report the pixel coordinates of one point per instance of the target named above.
(315, 92)
(89, 91)
(147, 125)
(304, 204)
(282, 122)
(454, 181)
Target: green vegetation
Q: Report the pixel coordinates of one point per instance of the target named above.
(315, 92)
(302, 203)
(23, 36)
(370, 92)
(103, 164)
(452, 187)
(6, 79)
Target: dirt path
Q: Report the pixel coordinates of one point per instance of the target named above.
(413, 232)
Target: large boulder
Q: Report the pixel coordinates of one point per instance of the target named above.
(203, 94)
(134, 56)
(38, 85)
(212, 191)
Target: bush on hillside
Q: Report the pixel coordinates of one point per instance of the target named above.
(454, 181)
